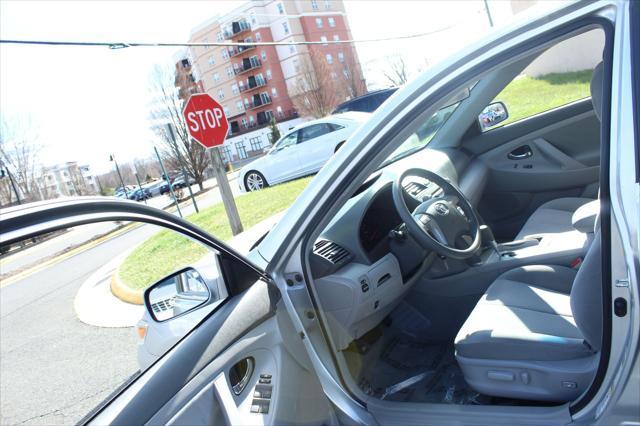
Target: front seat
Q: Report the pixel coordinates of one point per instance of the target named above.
(536, 333)
(555, 216)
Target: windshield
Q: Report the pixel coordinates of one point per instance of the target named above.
(423, 135)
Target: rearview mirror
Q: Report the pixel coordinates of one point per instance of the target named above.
(492, 115)
(176, 294)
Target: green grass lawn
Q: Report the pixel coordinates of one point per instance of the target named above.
(168, 251)
(527, 96)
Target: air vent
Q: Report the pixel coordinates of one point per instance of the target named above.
(414, 188)
(163, 305)
(330, 251)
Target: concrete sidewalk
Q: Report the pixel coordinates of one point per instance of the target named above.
(96, 305)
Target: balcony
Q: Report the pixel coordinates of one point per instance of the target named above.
(247, 66)
(249, 127)
(251, 86)
(259, 102)
(240, 50)
(236, 28)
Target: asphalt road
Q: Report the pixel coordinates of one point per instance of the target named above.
(54, 368)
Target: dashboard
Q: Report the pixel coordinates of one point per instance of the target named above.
(363, 263)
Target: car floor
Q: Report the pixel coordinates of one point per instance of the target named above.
(395, 362)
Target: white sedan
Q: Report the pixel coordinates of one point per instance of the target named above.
(301, 152)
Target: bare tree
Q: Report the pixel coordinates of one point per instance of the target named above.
(19, 155)
(355, 83)
(177, 145)
(318, 89)
(77, 180)
(396, 72)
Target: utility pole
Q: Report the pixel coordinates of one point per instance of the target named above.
(225, 191)
(166, 178)
(184, 173)
(112, 158)
(486, 8)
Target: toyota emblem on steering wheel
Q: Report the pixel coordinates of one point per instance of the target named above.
(441, 209)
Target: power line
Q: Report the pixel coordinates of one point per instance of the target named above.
(122, 45)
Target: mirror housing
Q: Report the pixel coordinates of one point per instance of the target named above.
(492, 114)
(176, 294)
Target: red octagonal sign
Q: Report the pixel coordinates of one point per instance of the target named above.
(205, 120)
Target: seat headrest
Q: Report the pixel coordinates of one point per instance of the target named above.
(596, 89)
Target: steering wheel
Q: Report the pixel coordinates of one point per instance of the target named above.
(439, 223)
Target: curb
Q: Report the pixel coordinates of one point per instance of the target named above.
(123, 292)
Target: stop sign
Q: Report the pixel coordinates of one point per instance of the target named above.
(205, 120)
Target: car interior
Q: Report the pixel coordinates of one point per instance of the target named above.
(468, 271)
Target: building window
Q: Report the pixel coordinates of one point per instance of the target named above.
(329, 58)
(230, 71)
(319, 22)
(258, 37)
(280, 8)
(234, 89)
(256, 143)
(220, 94)
(340, 57)
(336, 37)
(332, 22)
(225, 54)
(268, 74)
(243, 122)
(292, 49)
(263, 55)
(219, 36)
(242, 152)
(251, 120)
(345, 72)
(226, 153)
(296, 65)
(205, 41)
(274, 92)
(254, 21)
(211, 60)
(323, 39)
(279, 112)
(260, 79)
(216, 77)
(226, 111)
(239, 106)
(327, 4)
(333, 75)
(314, 4)
(265, 98)
(285, 27)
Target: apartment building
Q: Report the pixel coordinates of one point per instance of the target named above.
(257, 83)
(69, 179)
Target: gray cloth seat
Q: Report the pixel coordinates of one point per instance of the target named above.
(555, 216)
(535, 334)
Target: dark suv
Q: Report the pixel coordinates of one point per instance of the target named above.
(365, 103)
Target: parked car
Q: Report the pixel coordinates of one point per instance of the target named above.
(178, 182)
(124, 191)
(300, 152)
(365, 103)
(381, 297)
(140, 194)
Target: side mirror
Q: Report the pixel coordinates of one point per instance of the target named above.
(492, 115)
(176, 294)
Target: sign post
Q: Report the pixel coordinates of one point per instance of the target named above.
(208, 125)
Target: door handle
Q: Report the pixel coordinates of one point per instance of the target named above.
(520, 153)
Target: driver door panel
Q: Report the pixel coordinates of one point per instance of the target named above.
(194, 382)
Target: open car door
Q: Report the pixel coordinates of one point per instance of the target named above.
(242, 363)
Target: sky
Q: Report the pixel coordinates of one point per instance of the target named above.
(86, 103)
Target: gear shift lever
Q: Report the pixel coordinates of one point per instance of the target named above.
(488, 240)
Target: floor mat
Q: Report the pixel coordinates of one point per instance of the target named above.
(413, 371)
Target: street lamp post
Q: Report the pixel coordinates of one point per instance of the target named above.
(112, 158)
